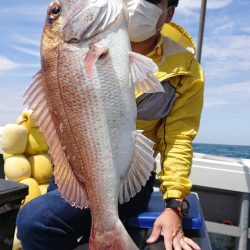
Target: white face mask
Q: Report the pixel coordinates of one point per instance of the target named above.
(143, 17)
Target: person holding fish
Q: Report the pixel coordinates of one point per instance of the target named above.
(83, 101)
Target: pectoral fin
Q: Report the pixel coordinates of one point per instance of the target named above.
(95, 52)
(142, 73)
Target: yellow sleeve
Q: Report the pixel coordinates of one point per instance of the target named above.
(177, 131)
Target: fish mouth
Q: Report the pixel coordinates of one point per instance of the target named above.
(85, 23)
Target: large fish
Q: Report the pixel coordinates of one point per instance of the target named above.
(83, 101)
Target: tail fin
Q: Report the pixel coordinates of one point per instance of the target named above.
(115, 239)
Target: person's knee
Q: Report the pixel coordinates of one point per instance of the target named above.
(23, 222)
(27, 220)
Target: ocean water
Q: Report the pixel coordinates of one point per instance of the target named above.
(223, 150)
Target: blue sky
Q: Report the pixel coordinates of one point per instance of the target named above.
(225, 58)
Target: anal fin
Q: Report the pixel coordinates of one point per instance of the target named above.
(140, 169)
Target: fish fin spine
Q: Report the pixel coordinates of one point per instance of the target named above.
(71, 189)
(140, 169)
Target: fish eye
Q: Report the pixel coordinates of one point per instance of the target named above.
(54, 11)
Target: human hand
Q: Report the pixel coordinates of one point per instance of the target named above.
(168, 224)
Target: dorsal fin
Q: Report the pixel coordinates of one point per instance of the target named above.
(68, 185)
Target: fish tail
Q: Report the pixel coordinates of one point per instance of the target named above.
(115, 239)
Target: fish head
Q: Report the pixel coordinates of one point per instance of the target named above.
(82, 27)
(75, 21)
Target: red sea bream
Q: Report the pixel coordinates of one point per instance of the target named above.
(83, 100)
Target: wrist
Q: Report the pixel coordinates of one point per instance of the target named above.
(180, 206)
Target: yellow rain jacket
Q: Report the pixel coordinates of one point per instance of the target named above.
(171, 119)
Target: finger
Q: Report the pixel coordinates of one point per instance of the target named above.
(167, 241)
(156, 232)
(184, 245)
(191, 243)
(177, 243)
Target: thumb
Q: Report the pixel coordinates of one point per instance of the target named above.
(156, 232)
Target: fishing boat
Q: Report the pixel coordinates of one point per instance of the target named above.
(222, 185)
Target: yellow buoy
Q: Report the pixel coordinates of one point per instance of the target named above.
(36, 143)
(6, 156)
(34, 190)
(43, 188)
(14, 139)
(17, 168)
(41, 168)
(26, 120)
